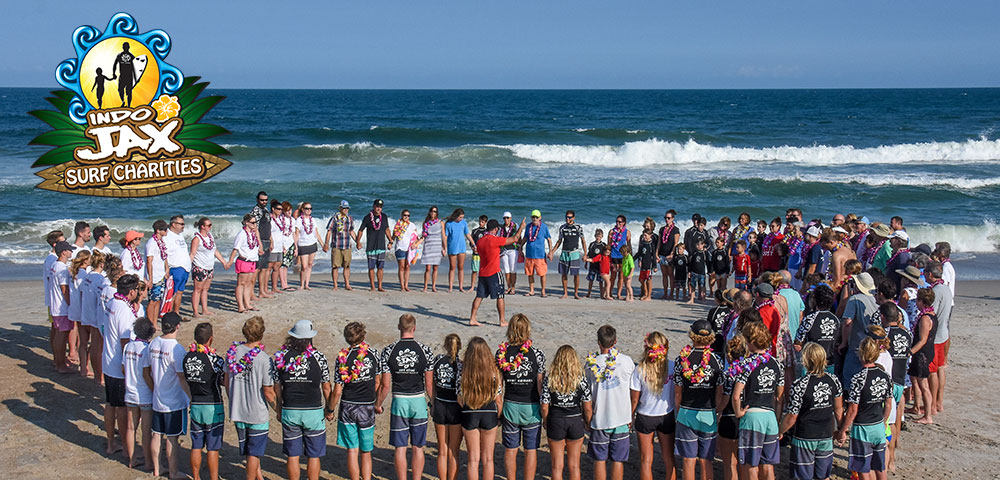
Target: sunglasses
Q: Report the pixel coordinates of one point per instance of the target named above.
(252, 223)
(209, 225)
(619, 221)
(406, 214)
(261, 200)
(308, 208)
(569, 217)
(668, 218)
(179, 223)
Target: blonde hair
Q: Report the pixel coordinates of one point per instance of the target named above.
(565, 372)
(814, 359)
(82, 258)
(757, 335)
(878, 331)
(852, 267)
(869, 350)
(480, 377)
(654, 372)
(775, 279)
(253, 329)
(452, 345)
(407, 323)
(519, 329)
(97, 259)
(737, 348)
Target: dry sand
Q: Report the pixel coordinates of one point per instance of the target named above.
(52, 425)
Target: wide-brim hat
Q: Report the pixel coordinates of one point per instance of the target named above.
(865, 283)
(882, 230)
(911, 273)
(302, 329)
(729, 295)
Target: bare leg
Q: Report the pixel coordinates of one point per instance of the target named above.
(96, 350)
(461, 271)
(510, 463)
(333, 276)
(667, 454)
(133, 423)
(472, 439)
(400, 463)
(154, 453)
(292, 468)
(573, 448)
(646, 456)
(418, 462)
(312, 468)
(452, 260)
(353, 464)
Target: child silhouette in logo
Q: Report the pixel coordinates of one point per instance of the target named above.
(99, 85)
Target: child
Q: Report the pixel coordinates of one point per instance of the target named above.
(566, 410)
(204, 372)
(647, 263)
(170, 395)
(652, 393)
(594, 272)
(603, 262)
(698, 264)
(477, 233)
(754, 262)
(356, 388)
(99, 80)
(680, 264)
(720, 265)
(138, 395)
(609, 373)
(628, 265)
(251, 390)
(741, 266)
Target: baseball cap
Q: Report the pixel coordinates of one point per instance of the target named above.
(536, 213)
(344, 204)
(765, 289)
(302, 329)
(813, 231)
(132, 235)
(864, 220)
(506, 215)
(170, 320)
(701, 327)
(378, 202)
(62, 247)
(900, 234)
(839, 229)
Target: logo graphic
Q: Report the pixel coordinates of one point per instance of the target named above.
(127, 124)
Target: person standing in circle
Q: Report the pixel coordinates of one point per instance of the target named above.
(618, 237)
(405, 238)
(307, 238)
(339, 233)
(259, 212)
(508, 254)
(534, 241)
(377, 234)
(571, 240)
(456, 234)
(433, 234)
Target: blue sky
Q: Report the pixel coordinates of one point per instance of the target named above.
(536, 44)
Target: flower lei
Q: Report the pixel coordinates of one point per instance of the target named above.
(695, 376)
(199, 348)
(936, 283)
(769, 242)
(135, 309)
(208, 244)
(307, 227)
(351, 373)
(284, 228)
(516, 363)
(282, 362)
(927, 311)
(616, 236)
(237, 366)
(764, 303)
(340, 221)
(666, 231)
(400, 227)
(375, 221)
(137, 260)
(252, 241)
(656, 352)
(748, 364)
(533, 236)
(871, 253)
(609, 365)
(893, 257)
(505, 230)
(162, 246)
(847, 278)
(430, 223)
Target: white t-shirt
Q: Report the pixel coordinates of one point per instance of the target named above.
(178, 254)
(90, 301)
(105, 250)
(205, 257)
(651, 404)
(58, 276)
(306, 239)
(280, 240)
(166, 360)
(135, 356)
(131, 266)
(75, 311)
(107, 293)
(612, 399)
(403, 241)
(46, 267)
(948, 276)
(117, 328)
(243, 249)
(77, 248)
(885, 361)
(153, 254)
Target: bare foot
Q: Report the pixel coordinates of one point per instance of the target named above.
(689, 302)
(65, 370)
(576, 297)
(529, 294)
(115, 448)
(425, 289)
(434, 289)
(925, 420)
(473, 322)
(543, 295)
(381, 289)
(348, 288)
(503, 324)
(564, 296)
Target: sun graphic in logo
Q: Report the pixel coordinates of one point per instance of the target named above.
(119, 71)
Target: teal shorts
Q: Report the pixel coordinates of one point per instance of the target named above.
(311, 419)
(897, 392)
(698, 420)
(351, 436)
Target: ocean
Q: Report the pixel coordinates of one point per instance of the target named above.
(931, 156)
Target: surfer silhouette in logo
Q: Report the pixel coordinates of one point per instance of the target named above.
(99, 85)
(125, 71)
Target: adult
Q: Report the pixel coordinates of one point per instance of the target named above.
(204, 253)
(878, 256)
(356, 386)
(205, 374)
(861, 237)
(770, 260)
(922, 352)
(821, 326)
(689, 244)
(896, 224)
(571, 257)
(407, 372)
(508, 254)
(124, 71)
(942, 305)
(793, 238)
(59, 301)
(117, 332)
(757, 392)
(812, 256)
(698, 379)
(814, 403)
(433, 234)
(281, 237)
(102, 237)
(288, 216)
(667, 238)
(740, 232)
(480, 394)
(250, 385)
(405, 240)
(618, 237)
(900, 259)
(522, 367)
(491, 279)
(566, 411)
(246, 251)
(792, 299)
(81, 235)
(339, 232)
(157, 267)
(375, 226)
(838, 220)
(179, 258)
(536, 237)
(302, 387)
(307, 239)
(163, 370)
(860, 308)
(839, 255)
(720, 230)
(456, 234)
(447, 414)
(133, 261)
(260, 213)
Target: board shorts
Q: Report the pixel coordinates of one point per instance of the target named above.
(644, 275)
(741, 281)
(340, 257)
(569, 263)
(611, 444)
(446, 412)
(308, 249)
(114, 391)
(867, 449)
(475, 263)
(275, 257)
(356, 426)
(303, 432)
(170, 424)
(376, 259)
(758, 438)
(202, 274)
(696, 433)
(564, 428)
(492, 286)
(508, 261)
(811, 459)
(180, 277)
(940, 354)
(521, 421)
(919, 366)
(62, 323)
(159, 289)
(288, 259)
(207, 425)
(593, 274)
(245, 266)
(482, 418)
(697, 280)
(252, 438)
(646, 424)
(535, 266)
(408, 421)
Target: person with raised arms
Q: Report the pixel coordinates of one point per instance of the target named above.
(491, 278)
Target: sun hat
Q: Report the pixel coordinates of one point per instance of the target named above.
(302, 329)
(344, 204)
(536, 213)
(132, 235)
(730, 294)
(701, 327)
(506, 215)
(901, 234)
(882, 230)
(911, 273)
(865, 283)
(765, 289)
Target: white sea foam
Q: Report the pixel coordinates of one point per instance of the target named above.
(338, 146)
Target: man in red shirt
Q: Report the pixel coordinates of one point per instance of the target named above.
(491, 281)
(769, 314)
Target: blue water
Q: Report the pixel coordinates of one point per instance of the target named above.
(930, 155)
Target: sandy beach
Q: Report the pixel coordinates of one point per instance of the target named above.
(52, 424)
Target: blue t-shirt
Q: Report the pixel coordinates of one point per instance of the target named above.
(456, 232)
(536, 248)
(795, 256)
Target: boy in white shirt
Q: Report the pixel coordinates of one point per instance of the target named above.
(156, 268)
(58, 295)
(117, 331)
(164, 373)
(52, 239)
(138, 395)
(608, 373)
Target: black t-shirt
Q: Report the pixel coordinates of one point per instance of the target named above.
(203, 372)
(595, 249)
(646, 254)
(692, 236)
(665, 240)
(822, 327)
(680, 263)
(508, 231)
(870, 389)
(717, 317)
(728, 381)
(570, 405)
(699, 262)
(812, 398)
(375, 237)
(761, 384)
(701, 395)
(301, 386)
(407, 360)
(813, 257)
(263, 223)
(521, 384)
(900, 341)
(446, 378)
(477, 233)
(362, 389)
(720, 261)
(571, 236)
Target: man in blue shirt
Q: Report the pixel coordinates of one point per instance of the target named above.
(536, 235)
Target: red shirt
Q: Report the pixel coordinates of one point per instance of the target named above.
(770, 261)
(772, 319)
(605, 262)
(489, 254)
(742, 264)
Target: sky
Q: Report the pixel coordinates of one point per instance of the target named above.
(545, 44)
